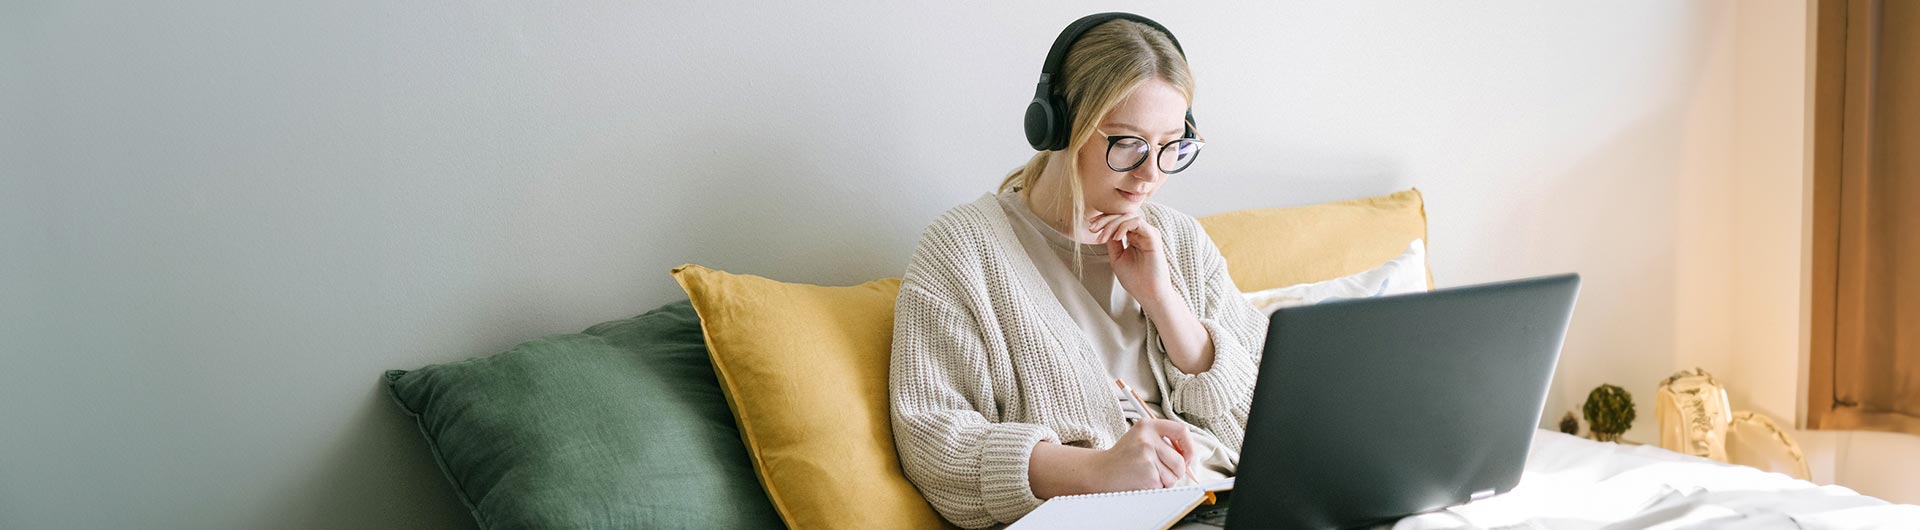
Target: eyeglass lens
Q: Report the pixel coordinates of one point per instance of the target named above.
(1125, 153)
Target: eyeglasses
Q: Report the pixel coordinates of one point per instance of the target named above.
(1126, 152)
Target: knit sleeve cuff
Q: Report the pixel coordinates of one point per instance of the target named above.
(1225, 386)
(1003, 468)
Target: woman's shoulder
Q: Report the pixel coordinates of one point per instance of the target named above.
(960, 243)
(1167, 215)
(962, 225)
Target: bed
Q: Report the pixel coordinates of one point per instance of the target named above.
(1576, 484)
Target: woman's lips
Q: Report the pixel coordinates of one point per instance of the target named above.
(1135, 197)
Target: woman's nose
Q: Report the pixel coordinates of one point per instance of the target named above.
(1149, 172)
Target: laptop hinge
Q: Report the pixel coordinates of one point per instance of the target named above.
(1482, 494)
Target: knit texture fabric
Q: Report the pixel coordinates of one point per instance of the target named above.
(986, 362)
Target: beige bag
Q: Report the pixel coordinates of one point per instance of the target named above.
(1694, 414)
(1695, 419)
(1753, 440)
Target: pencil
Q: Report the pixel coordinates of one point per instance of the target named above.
(1142, 404)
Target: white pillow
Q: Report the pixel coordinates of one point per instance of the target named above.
(1404, 274)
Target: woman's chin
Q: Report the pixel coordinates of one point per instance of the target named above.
(1120, 206)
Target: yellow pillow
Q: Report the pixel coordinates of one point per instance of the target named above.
(1278, 247)
(804, 368)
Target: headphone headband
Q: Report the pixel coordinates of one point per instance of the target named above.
(1057, 55)
(1049, 119)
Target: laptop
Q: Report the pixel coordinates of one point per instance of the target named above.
(1368, 410)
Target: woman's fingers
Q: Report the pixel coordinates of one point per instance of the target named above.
(1153, 461)
(1141, 235)
(1173, 432)
(1094, 224)
(1104, 220)
(1123, 229)
(1103, 229)
(1172, 464)
(1155, 452)
(1169, 442)
(1182, 441)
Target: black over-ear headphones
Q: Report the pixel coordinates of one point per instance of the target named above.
(1049, 119)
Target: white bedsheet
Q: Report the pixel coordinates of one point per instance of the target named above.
(1578, 484)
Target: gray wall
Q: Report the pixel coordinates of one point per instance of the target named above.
(219, 221)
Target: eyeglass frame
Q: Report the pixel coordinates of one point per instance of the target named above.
(1200, 143)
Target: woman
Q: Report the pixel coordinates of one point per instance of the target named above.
(1020, 310)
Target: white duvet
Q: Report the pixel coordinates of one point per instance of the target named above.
(1575, 483)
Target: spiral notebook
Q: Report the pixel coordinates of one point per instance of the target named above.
(1122, 510)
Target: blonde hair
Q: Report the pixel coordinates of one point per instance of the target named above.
(1104, 66)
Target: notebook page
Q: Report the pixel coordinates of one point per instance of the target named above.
(1125, 510)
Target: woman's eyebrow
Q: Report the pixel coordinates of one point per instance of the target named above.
(1133, 128)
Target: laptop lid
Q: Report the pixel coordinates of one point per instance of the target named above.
(1366, 410)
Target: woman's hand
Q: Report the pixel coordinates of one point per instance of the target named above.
(1142, 270)
(1143, 459)
(1135, 249)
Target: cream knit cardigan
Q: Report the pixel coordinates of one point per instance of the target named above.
(986, 362)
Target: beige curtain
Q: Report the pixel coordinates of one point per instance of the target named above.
(1875, 353)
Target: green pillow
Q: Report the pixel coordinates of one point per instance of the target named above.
(620, 426)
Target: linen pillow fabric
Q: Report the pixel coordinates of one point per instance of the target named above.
(1276, 247)
(1404, 274)
(804, 368)
(621, 426)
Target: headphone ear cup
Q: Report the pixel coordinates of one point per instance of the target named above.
(1039, 123)
(1046, 123)
(1062, 123)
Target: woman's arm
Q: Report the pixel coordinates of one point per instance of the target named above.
(1143, 253)
(1189, 346)
(1219, 396)
(973, 471)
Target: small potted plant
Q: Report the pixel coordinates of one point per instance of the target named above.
(1609, 412)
